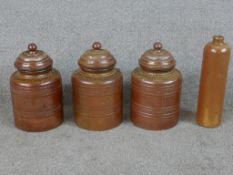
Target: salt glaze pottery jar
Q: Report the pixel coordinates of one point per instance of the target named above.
(215, 63)
(97, 90)
(36, 90)
(156, 90)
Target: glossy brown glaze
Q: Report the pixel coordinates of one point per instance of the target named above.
(215, 63)
(36, 91)
(156, 89)
(97, 90)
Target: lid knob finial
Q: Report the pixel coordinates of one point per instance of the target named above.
(32, 47)
(96, 45)
(158, 46)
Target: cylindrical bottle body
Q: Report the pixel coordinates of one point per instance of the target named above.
(37, 100)
(155, 99)
(97, 99)
(212, 84)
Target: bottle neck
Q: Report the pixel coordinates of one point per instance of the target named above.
(218, 39)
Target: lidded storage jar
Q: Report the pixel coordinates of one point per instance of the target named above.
(36, 90)
(156, 90)
(97, 90)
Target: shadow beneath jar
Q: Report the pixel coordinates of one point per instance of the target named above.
(126, 101)
(190, 88)
(187, 116)
(67, 104)
(7, 117)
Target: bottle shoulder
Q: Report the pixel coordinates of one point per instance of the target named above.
(217, 48)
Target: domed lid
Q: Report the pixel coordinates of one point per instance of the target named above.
(33, 60)
(96, 59)
(157, 59)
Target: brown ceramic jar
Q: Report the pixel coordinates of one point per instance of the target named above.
(36, 90)
(215, 63)
(97, 90)
(156, 90)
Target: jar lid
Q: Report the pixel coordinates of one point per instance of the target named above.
(157, 59)
(96, 59)
(33, 60)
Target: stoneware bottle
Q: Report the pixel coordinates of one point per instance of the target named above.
(156, 89)
(215, 63)
(36, 90)
(97, 90)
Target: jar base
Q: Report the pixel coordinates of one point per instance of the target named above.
(99, 124)
(153, 124)
(38, 125)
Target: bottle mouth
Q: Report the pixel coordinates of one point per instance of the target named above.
(218, 39)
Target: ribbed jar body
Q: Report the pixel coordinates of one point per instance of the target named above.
(37, 100)
(215, 63)
(155, 98)
(97, 99)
